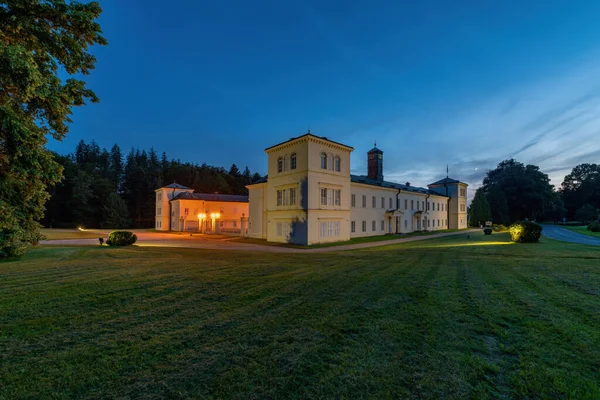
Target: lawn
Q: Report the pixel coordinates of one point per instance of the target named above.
(64, 234)
(583, 230)
(442, 318)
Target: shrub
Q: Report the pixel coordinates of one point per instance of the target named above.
(121, 238)
(594, 226)
(525, 232)
(499, 228)
(487, 231)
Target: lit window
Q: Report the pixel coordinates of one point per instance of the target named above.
(293, 161)
(323, 161)
(280, 164)
(336, 163)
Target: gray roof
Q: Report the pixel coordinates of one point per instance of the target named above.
(228, 198)
(446, 180)
(392, 185)
(176, 186)
(309, 134)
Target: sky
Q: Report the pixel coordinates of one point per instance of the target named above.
(465, 84)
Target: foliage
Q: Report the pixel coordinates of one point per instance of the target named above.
(37, 39)
(121, 238)
(594, 227)
(479, 212)
(525, 189)
(521, 319)
(581, 187)
(525, 232)
(487, 231)
(499, 228)
(587, 213)
(94, 178)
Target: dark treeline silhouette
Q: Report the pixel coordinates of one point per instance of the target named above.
(513, 191)
(102, 188)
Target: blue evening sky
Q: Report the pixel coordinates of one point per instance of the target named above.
(464, 83)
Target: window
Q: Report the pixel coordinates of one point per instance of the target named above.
(286, 197)
(353, 197)
(159, 197)
(235, 224)
(338, 197)
(373, 226)
(364, 226)
(186, 211)
(158, 211)
(330, 197)
(336, 163)
(428, 223)
(374, 202)
(364, 199)
(438, 222)
(293, 161)
(390, 203)
(329, 229)
(412, 204)
(438, 206)
(292, 196)
(323, 161)
(323, 197)
(221, 224)
(383, 225)
(423, 206)
(279, 198)
(383, 202)
(405, 204)
(280, 164)
(405, 223)
(353, 226)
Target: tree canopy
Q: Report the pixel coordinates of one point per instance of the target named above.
(37, 38)
(479, 212)
(581, 187)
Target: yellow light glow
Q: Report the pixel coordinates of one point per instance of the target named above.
(217, 215)
(201, 216)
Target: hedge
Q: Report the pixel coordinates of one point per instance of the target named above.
(121, 238)
(525, 232)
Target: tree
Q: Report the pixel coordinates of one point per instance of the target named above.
(115, 213)
(587, 213)
(37, 37)
(581, 187)
(479, 212)
(527, 190)
(498, 205)
(116, 167)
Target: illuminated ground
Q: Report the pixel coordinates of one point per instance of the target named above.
(442, 318)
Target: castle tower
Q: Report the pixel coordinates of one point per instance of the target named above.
(163, 206)
(457, 206)
(375, 164)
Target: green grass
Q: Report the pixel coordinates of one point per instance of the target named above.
(442, 318)
(367, 239)
(582, 230)
(64, 234)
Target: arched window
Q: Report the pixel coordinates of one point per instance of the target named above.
(293, 161)
(336, 163)
(280, 164)
(323, 160)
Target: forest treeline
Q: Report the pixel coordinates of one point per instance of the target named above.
(102, 188)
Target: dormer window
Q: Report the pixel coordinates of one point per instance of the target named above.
(293, 161)
(323, 160)
(336, 164)
(280, 164)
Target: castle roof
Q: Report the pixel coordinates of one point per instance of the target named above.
(175, 186)
(227, 198)
(392, 185)
(310, 135)
(446, 180)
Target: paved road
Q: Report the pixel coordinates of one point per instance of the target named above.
(565, 235)
(157, 239)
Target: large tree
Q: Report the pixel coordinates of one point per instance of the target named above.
(581, 187)
(37, 38)
(479, 212)
(527, 191)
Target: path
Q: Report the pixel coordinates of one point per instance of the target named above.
(565, 235)
(206, 242)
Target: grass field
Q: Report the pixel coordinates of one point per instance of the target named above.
(64, 234)
(441, 318)
(583, 230)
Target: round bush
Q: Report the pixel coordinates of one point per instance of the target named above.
(525, 232)
(487, 231)
(594, 226)
(121, 238)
